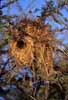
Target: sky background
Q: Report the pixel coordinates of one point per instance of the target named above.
(31, 5)
(26, 5)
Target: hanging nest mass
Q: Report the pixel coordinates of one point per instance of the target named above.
(30, 45)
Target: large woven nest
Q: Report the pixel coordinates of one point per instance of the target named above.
(32, 28)
(29, 43)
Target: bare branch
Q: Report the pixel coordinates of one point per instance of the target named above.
(7, 4)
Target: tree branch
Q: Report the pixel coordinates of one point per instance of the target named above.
(7, 4)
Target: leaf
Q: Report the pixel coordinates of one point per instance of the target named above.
(1, 46)
(1, 26)
(7, 37)
(65, 19)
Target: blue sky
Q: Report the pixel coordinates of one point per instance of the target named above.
(25, 4)
(31, 5)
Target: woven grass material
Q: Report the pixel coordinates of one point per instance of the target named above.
(36, 38)
(23, 56)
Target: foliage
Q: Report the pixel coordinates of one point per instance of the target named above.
(36, 64)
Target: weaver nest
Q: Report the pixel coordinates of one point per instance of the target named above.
(22, 50)
(28, 40)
